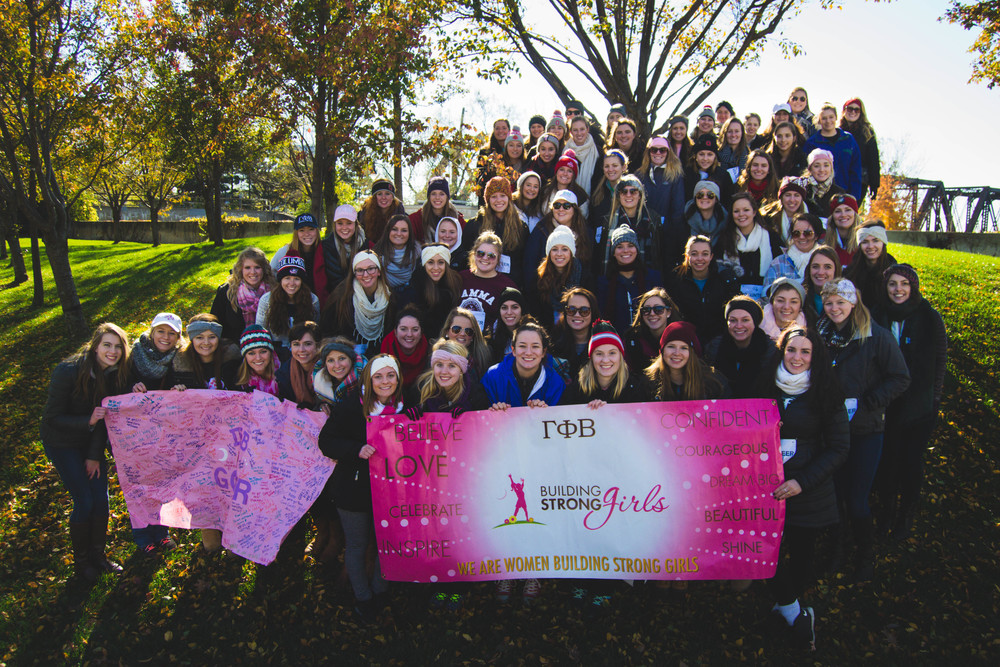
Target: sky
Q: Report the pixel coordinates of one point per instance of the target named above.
(910, 70)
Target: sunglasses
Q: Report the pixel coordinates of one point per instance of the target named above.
(573, 112)
(657, 149)
(629, 191)
(582, 310)
(853, 109)
(658, 310)
(366, 272)
(565, 205)
(455, 329)
(798, 99)
(796, 233)
(705, 195)
(488, 255)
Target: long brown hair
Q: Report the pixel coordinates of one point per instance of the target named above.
(430, 220)
(513, 232)
(861, 129)
(248, 254)
(374, 218)
(87, 366)
(449, 287)
(743, 183)
(384, 247)
(675, 313)
(479, 352)
(278, 308)
(672, 168)
(699, 379)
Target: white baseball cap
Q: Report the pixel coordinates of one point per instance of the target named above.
(169, 319)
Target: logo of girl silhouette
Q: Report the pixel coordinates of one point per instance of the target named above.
(521, 504)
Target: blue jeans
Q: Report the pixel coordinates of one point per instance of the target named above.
(855, 478)
(357, 529)
(90, 496)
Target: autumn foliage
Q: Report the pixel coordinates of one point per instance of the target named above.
(891, 207)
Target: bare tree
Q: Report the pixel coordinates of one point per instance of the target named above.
(656, 57)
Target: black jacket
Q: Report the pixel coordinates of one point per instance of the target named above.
(741, 367)
(66, 417)
(873, 371)
(705, 309)
(636, 391)
(231, 319)
(923, 342)
(822, 441)
(341, 439)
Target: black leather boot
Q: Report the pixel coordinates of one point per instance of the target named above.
(99, 539)
(79, 535)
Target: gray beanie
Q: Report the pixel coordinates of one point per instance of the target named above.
(623, 234)
(711, 186)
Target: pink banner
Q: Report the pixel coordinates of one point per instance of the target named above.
(245, 464)
(676, 490)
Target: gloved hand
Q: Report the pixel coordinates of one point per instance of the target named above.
(414, 413)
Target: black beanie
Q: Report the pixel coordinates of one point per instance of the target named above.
(743, 302)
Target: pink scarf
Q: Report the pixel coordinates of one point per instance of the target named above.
(266, 386)
(247, 299)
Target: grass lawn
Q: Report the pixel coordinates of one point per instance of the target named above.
(935, 598)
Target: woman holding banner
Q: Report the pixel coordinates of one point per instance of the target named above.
(343, 439)
(815, 439)
(74, 438)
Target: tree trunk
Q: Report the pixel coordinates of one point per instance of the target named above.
(38, 287)
(57, 250)
(320, 158)
(12, 239)
(213, 203)
(397, 140)
(116, 221)
(154, 221)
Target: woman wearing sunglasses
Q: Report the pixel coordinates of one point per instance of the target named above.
(564, 180)
(794, 262)
(564, 212)
(482, 283)
(705, 213)
(578, 312)
(653, 313)
(854, 120)
(662, 176)
(631, 208)
(462, 327)
(798, 101)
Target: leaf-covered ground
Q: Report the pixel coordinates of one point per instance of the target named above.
(935, 598)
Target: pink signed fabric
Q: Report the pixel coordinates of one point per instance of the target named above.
(676, 490)
(246, 464)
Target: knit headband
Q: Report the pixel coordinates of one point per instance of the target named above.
(843, 288)
(363, 255)
(875, 232)
(334, 346)
(195, 328)
(375, 365)
(445, 355)
(435, 251)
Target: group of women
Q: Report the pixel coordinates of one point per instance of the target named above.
(534, 303)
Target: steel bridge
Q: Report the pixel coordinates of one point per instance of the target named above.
(933, 207)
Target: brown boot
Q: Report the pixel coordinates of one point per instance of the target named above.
(79, 535)
(98, 542)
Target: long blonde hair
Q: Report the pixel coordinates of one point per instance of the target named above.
(255, 254)
(590, 385)
(428, 384)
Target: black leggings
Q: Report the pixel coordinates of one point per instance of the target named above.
(901, 470)
(795, 564)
